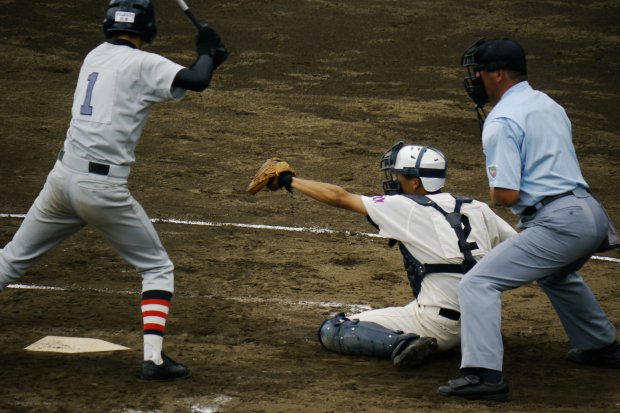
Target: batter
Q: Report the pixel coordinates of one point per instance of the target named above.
(117, 85)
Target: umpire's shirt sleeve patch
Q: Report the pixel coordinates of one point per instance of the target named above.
(503, 157)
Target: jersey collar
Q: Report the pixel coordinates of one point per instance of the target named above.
(122, 42)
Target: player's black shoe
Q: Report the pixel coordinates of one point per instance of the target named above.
(608, 356)
(168, 370)
(471, 386)
(415, 352)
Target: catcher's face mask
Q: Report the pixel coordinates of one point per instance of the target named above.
(391, 186)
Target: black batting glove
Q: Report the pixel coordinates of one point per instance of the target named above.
(221, 54)
(207, 41)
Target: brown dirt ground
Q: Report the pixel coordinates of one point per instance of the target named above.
(328, 85)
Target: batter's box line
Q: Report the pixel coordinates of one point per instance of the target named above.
(314, 230)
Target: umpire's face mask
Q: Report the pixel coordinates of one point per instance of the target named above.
(475, 88)
(473, 81)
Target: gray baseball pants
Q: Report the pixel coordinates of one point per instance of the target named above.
(73, 198)
(554, 244)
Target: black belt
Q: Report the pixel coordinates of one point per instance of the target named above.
(531, 210)
(93, 167)
(451, 314)
(451, 268)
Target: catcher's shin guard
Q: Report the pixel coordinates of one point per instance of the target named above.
(364, 338)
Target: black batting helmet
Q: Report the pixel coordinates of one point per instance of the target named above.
(130, 16)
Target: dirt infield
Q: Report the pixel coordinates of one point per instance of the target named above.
(328, 85)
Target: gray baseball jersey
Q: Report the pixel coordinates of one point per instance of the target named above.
(116, 87)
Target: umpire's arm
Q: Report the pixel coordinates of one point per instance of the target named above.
(503, 196)
(330, 194)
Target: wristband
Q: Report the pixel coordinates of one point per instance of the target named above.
(285, 180)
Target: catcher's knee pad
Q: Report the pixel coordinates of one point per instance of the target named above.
(364, 338)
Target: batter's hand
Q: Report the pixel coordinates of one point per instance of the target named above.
(207, 41)
(274, 174)
(221, 54)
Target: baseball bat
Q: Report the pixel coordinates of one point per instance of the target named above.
(189, 13)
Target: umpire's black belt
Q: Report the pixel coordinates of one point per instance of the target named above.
(531, 210)
(451, 314)
(83, 165)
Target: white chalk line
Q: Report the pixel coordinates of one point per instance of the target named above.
(315, 230)
(196, 404)
(353, 308)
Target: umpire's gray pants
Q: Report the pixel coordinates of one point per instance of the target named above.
(554, 244)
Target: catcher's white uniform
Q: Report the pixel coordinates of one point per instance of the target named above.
(426, 234)
(88, 184)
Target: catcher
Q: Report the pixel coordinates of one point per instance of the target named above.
(439, 235)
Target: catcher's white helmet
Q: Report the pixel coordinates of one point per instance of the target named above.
(425, 162)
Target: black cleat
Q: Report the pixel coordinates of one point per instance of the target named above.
(473, 387)
(168, 370)
(608, 356)
(415, 353)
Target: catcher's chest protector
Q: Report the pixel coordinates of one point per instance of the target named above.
(416, 271)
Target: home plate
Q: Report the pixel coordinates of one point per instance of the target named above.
(73, 345)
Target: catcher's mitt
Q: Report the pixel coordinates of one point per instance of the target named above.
(270, 175)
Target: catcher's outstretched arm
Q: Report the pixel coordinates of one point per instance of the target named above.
(330, 194)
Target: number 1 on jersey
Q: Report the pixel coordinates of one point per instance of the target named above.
(86, 109)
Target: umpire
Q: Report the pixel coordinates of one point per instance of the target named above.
(532, 167)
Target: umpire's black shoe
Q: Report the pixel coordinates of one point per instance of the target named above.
(168, 370)
(608, 356)
(471, 386)
(415, 352)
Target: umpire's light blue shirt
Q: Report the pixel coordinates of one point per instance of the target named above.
(527, 140)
